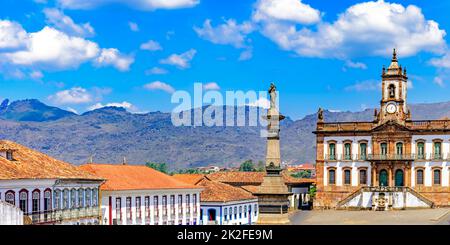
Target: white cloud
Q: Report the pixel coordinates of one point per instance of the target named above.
(112, 56)
(64, 23)
(75, 95)
(151, 46)
(368, 28)
(439, 81)
(229, 33)
(123, 104)
(182, 61)
(442, 62)
(356, 65)
(286, 10)
(36, 75)
(367, 85)
(133, 26)
(246, 54)
(261, 102)
(158, 85)
(211, 86)
(12, 35)
(156, 71)
(147, 5)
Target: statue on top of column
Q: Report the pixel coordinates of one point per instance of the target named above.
(273, 95)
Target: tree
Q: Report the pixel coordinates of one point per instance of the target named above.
(247, 166)
(261, 166)
(161, 167)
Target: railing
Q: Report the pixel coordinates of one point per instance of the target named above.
(390, 157)
(429, 124)
(387, 157)
(345, 126)
(52, 216)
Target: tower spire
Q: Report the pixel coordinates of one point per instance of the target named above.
(394, 56)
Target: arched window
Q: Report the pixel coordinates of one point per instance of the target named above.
(436, 177)
(57, 198)
(399, 178)
(419, 177)
(36, 197)
(88, 197)
(65, 199)
(47, 200)
(391, 91)
(23, 201)
(73, 198)
(363, 151)
(10, 197)
(118, 208)
(420, 150)
(347, 177)
(94, 197)
(332, 176)
(383, 147)
(81, 198)
(399, 147)
(332, 151)
(363, 177)
(128, 208)
(347, 151)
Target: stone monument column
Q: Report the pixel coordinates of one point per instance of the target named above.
(273, 194)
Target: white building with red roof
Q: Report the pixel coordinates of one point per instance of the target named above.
(139, 195)
(47, 190)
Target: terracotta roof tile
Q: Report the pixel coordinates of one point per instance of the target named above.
(31, 164)
(189, 178)
(234, 177)
(134, 177)
(219, 192)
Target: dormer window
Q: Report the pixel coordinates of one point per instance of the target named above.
(9, 155)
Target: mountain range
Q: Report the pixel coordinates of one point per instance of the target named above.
(110, 134)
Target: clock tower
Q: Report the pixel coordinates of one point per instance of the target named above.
(394, 90)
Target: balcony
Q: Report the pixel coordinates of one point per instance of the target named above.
(54, 216)
(391, 157)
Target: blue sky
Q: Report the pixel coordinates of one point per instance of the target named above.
(83, 54)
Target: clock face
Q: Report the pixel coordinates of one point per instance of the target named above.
(391, 108)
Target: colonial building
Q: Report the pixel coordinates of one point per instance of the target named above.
(47, 190)
(223, 204)
(139, 195)
(10, 214)
(390, 162)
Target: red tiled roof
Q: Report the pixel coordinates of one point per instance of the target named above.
(31, 164)
(252, 178)
(219, 192)
(189, 178)
(133, 177)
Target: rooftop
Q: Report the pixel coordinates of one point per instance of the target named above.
(252, 178)
(133, 177)
(30, 164)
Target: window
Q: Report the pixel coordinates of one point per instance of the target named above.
(256, 209)
(225, 214)
(399, 147)
(347, 177)
(235, 212)
(421, 150)
(437, 150)
(118, 208)
(363, 177)
(35, 196)
(392, 91)
(172, 204)
(88, 197)
(47, 200)
(57, 198)
(240, 212)
(80, 198)
(73, 198)
(65, 199)
(138, 208)
(9, 155)
(383, 147)
(363, 151)
(347, 151)
(94, 197)
(128, 207)
(332, 149)
(10, 197)
(331, 176)
(436, 177)
(164, 205)
(188, 203)
(180, 204)
(194, 202)
(147, 207)
(419, 177)
(23, 201)
(245, 211)
(156, 205)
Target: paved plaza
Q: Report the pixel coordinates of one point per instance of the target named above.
(436, 216)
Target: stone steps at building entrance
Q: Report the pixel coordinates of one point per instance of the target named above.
(384, 198)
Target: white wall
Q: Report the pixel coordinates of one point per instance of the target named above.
(185, 217)
(252, 217)
(10, 215)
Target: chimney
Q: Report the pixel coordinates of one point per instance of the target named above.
(124, 161)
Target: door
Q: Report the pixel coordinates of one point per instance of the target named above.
(383, 178)
(399, 177)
